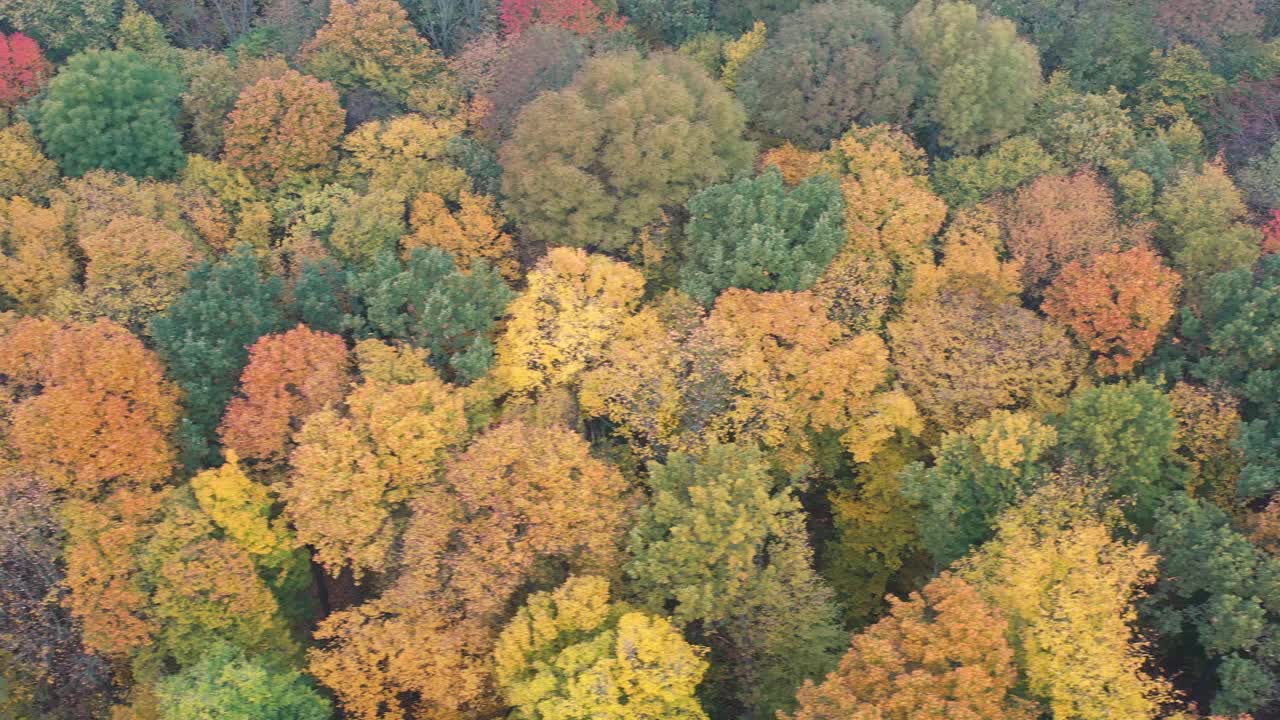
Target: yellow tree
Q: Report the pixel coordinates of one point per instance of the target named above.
(405, 156)
(562, 323)
(792, 371)
(135, 267)
(472, 232)
(571, 653)
(35, 258)
(351, 471)
(507, 513)
(1068, 587)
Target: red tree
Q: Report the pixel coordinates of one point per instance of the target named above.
(581, 16)
(1271, 234)
(23, 68)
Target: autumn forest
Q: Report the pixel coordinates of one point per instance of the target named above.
(640, 359)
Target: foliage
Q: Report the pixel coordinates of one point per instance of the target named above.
(1117, 304)
(213, 85)
(112, 110)
(472, 234)
(1083, 128)
(95, 410)
(1067, 586)
(572, 171)
(63, 27)
(541, 59)
(283, 126)
(981, 79)
(581, 16)
(404, 156)
(724, 547)
(1199, 225)
(371, 44)
(674, 21)
(941, 650)
(570, 653)
(1213, 602)
(978, 473)
(135, 267)
(430, 303)
(351, 472)
(1124, 434)
(757, 234)
(36, 265)
(967, 179)
(829, 66)
(204, 338)
(226, 683)
(23, 69)
(560, 324)
(288, 376)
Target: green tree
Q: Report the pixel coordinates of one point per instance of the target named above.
(1200, 225)
(968, 179)
(1082, 128)
(204, 338)
(1215, 605)
(227, 684)
(673, 21)
(570, 654)
(758, 234)
(981, 79)
(63, 27)
(112, 110)
(594, 163)
(725, 547)
(735, 18)
(1125, 435)
(430, 303)
(829, 66)
(978, 473)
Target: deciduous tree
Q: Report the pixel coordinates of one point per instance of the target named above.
(228, 683)
(1117, 304)
(135, 267)
(283, 126)
(23, 69)
(35, 255)
(942, 652)
(571, 653)
(24, 169)
(288, 377)
(581, 16)
(827, 67)
(473, 232)
(580, 170)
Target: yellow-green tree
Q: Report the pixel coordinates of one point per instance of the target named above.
(572, 654)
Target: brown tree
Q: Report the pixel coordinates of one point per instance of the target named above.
(283, 126)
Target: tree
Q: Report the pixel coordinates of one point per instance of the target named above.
(756, 234)
(350, 473)
(226, 683)
(560, 324)
(1067, 587)
(967, 179)
(288, 377)
(1233, 331)
(214, 83)
(471, 233)
(1058, 220)
(23, 69)
(95, 411)
(1213, 604)
(541, 59)
(962, 357)
(724, 546)
(135, 268)
(738, 17)
(981, 79)
(581, 16)
(432, 304)
(42, 636)
(204, 338)
(113, 110)
(673, 22)
(1124, 434)
(24, 169)
(1207, 24)
(1199, 225)
(449, 24)
(36, 266)
(371, 44)
(1083, 128)
(507, 516)
(978, 474)
(1117, 304)
(829, 66)
(63, 27)
(581, 170)
(283, 126)
(570, 653)
(1208, 439)
(941, 653)
(792, 373)
(224, 206)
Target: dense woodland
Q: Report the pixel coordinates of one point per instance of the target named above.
(639, 359)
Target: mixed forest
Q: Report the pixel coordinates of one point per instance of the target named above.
(639, 359)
